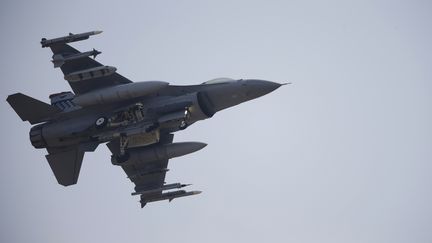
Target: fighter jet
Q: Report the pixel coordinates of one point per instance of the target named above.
(136, 120)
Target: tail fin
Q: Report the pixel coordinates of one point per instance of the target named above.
(31, 109)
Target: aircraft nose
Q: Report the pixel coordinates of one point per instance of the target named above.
(234, 93)
(257, 88)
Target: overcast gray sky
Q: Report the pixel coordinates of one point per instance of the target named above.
(342, 155)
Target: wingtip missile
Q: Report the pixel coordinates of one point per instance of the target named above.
(168, 196)
(68, 38)
(185, 194)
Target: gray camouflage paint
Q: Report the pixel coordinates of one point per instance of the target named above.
(351, 164)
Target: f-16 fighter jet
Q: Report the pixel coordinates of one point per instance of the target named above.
(136, 120)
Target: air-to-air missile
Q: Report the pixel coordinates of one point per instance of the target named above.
(69, 38)
(168, 196)
(163, 188)
(135, 120)
(60, 59)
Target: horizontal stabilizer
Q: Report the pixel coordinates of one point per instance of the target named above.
(66, 165)
(31, 109)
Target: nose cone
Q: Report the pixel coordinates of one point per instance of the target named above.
(256, 88)
(226, 95)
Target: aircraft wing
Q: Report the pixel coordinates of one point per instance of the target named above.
(148, 176)
(85, 74)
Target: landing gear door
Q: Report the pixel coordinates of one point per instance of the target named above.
(144, 139)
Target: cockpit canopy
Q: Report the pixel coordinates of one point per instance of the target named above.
(219, 81)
